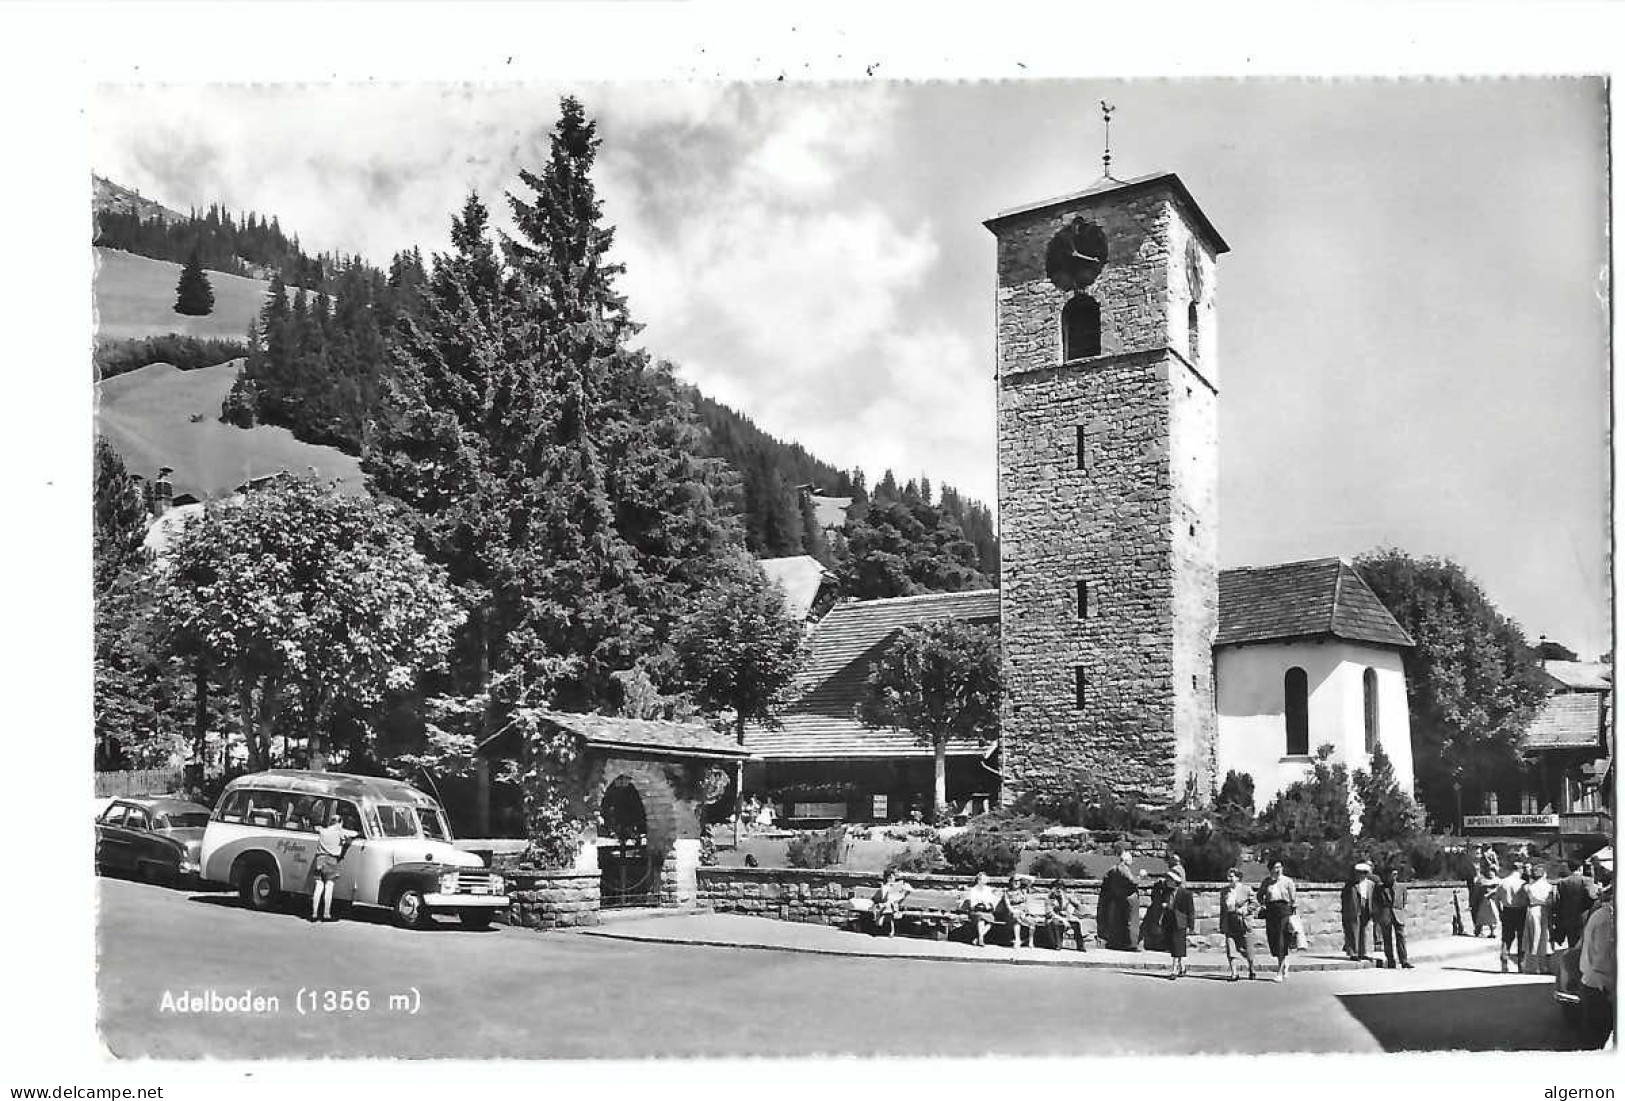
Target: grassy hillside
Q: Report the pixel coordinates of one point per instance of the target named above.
(162, 416)
(135, 297)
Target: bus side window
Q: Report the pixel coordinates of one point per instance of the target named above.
(231, 807)
(348, 816)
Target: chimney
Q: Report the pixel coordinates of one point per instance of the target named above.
(163, 493)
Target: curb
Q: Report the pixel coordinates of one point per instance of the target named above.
(1160, 965)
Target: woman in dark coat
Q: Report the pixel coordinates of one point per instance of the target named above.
(1115, 915)
(1178, 919)
(1153, 927)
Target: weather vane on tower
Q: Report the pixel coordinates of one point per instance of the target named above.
(1106, 110)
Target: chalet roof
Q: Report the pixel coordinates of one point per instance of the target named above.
(809, 736)
(1569, 720)
(654, 736)
(820, 724)
(800, 576)
(1323, 596)
(610, 731)
(1580, 676)
(830, 511)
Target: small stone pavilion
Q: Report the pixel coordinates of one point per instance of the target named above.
(640, 788)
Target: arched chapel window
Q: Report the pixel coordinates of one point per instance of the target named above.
(1080, 328)
(1372, 732)
(1297, 712)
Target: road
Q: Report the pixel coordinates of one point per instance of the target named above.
(516, 993)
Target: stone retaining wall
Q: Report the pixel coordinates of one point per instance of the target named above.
(823, 897)
(552, 900)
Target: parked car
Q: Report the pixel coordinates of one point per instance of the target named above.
(261, 842)
(156, 838)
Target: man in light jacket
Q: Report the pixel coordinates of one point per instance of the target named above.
(1356, 908)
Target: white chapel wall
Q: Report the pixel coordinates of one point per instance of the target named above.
(1252, 709)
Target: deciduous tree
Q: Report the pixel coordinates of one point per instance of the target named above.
(1472, 681)
(307, 601)
(939, 680)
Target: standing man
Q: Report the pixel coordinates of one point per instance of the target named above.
(1598, 969)
(1576, 894)
(1116, 916)
(1514, 908)
(1356, 907)
(1388, 910)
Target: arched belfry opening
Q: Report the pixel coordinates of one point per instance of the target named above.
(1080, 328)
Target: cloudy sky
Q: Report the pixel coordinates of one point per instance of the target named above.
(1412, 321)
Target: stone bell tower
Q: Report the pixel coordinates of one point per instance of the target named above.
(1108, 477)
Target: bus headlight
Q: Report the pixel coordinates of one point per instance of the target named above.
(448, 883)
(498, 887)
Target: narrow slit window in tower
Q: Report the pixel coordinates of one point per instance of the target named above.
(1083, 449)
(1083, 600)
(1193, 330)
(1079, 683)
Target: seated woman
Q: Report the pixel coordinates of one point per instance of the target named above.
(1013, 909)
(1065, 915)
(981, 901)
(889, 902)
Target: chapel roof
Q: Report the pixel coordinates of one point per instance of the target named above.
(1319, 597)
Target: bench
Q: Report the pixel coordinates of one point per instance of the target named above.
(936, 910)
(941, 911)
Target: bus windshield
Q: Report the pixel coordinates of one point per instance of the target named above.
(433, 825)
(396, 821)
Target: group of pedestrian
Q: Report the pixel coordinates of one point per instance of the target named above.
(1380, 903)
(1533, 912)
(1171, 914)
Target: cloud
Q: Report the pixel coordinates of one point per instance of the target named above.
(756, 259)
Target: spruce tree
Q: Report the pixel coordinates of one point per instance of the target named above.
(193, 295)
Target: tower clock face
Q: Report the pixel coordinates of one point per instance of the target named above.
(1075, 254)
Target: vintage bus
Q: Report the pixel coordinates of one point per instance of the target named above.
(261, 842)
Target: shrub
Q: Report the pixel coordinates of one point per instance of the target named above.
(1206, 852)
(1010, 823)
(817, 850)
(978, 850)
(1316, 809)
(1387, 811)
(1052, 865)
(1315, 861)
(921, 861)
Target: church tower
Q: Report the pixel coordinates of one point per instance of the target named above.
(1108, 477)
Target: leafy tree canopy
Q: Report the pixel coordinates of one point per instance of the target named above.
(1473, 682)
(306, 601)
(939, 680)
(738, 648)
